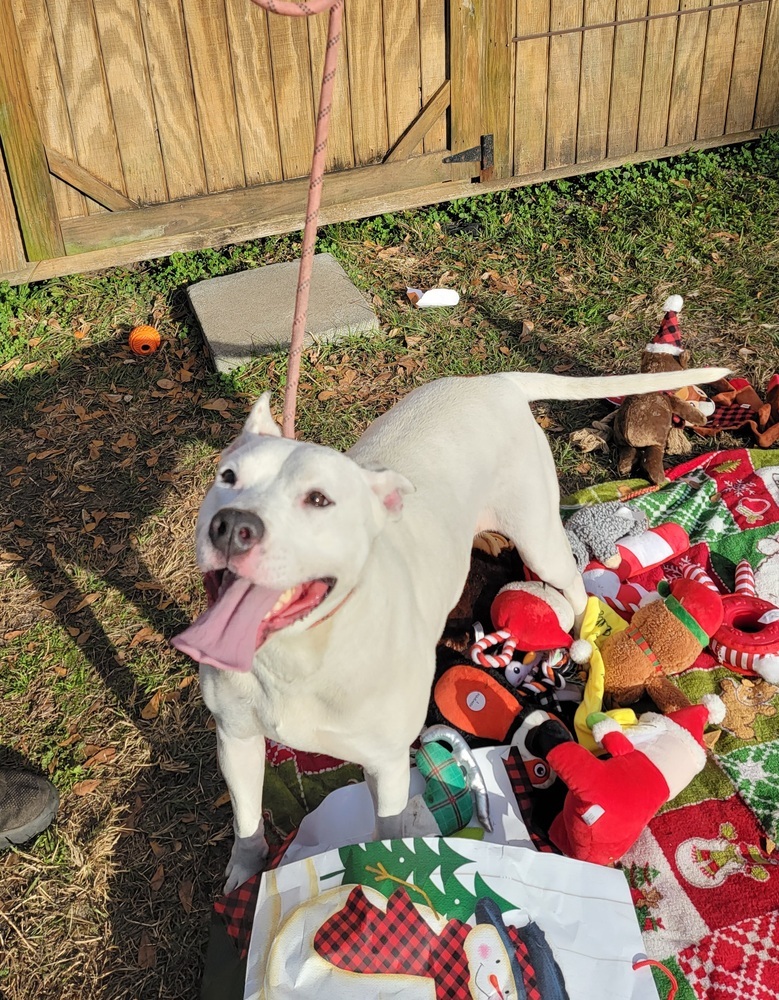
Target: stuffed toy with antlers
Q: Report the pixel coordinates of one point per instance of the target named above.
(643, 423)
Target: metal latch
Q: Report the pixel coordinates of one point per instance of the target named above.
(484, 154)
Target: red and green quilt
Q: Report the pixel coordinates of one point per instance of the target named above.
(705, 874)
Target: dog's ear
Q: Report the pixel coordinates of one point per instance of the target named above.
(260, 419)
(390, 487)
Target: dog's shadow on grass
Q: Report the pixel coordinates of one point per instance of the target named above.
(106, 456)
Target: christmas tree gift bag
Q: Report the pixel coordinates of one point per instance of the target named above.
(444, 919)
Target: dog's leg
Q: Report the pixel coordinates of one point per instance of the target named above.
(530, 517)
(544, 548)
(388, 783)
(557, 568)
(242, 762)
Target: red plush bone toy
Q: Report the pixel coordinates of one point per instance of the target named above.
(609, 802)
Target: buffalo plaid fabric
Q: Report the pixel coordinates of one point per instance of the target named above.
(730, 417)
(528, 972)
(523, 792)
(237, 907)
(669, 332)
(446, 789)
(739, 407)
(361, 938)
(237, 910)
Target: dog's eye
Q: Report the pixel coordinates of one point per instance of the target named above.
(317, 499)
(228, 477)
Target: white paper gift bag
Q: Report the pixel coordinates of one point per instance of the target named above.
(445, 919)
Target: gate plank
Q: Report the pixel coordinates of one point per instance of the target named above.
(658, 73)
(174, 97)
(132, 105)
(366, 79)
(209, 54)
(23, 147)
(746, 67)
(11, 248)
(497, 97)
(595, 83)
(32, 23)
(247, 26)
(340, 147)
(717, 65)
(432, 45)
(564, 72)
(256, 212)
(530, 87)
(292, 79)
(767, 110)
(466, 26)
(626, 79)
(74, 174)
(401, 67)
(421, 125)
(688, 69)
(78, 55)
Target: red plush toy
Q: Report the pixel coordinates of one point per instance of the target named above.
(609, 802)
(533, 617)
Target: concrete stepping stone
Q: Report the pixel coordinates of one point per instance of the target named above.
(249, 313)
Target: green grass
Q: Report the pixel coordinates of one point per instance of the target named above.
(105, 457)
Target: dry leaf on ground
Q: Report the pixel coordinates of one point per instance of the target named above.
(85, 787)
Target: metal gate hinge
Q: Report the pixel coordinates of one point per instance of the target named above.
(484, 154)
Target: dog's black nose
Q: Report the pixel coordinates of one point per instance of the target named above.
(234, 530)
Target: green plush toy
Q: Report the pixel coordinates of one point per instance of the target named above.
(454, 785)
(447, 794)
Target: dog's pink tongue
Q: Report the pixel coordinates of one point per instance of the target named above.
(226, 636)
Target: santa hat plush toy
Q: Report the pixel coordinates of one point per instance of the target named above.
(610, 801)
(533, 617)
(668, 339)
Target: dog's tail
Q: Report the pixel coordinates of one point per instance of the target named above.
(536, 385)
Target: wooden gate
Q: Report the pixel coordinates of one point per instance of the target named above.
(134, 128)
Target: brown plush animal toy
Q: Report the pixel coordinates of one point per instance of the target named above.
(662, 639)
(643, 423)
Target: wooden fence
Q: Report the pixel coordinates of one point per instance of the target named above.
(133, 128)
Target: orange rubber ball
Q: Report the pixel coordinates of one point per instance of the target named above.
(144, 340)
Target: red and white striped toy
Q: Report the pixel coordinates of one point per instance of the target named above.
(654, 547)
(745, 579)
(748, 639)
(692, 571)
(502, 638)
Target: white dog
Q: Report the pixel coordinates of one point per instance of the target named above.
(331, 575)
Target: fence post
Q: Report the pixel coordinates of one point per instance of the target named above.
(25, 155)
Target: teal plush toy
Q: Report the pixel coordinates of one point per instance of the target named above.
(453, 782)
(447, 794)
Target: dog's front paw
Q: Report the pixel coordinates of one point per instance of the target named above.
(246, 860)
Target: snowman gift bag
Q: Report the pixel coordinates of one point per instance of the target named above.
(445, 919)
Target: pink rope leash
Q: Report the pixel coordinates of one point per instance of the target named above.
(306, 9)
